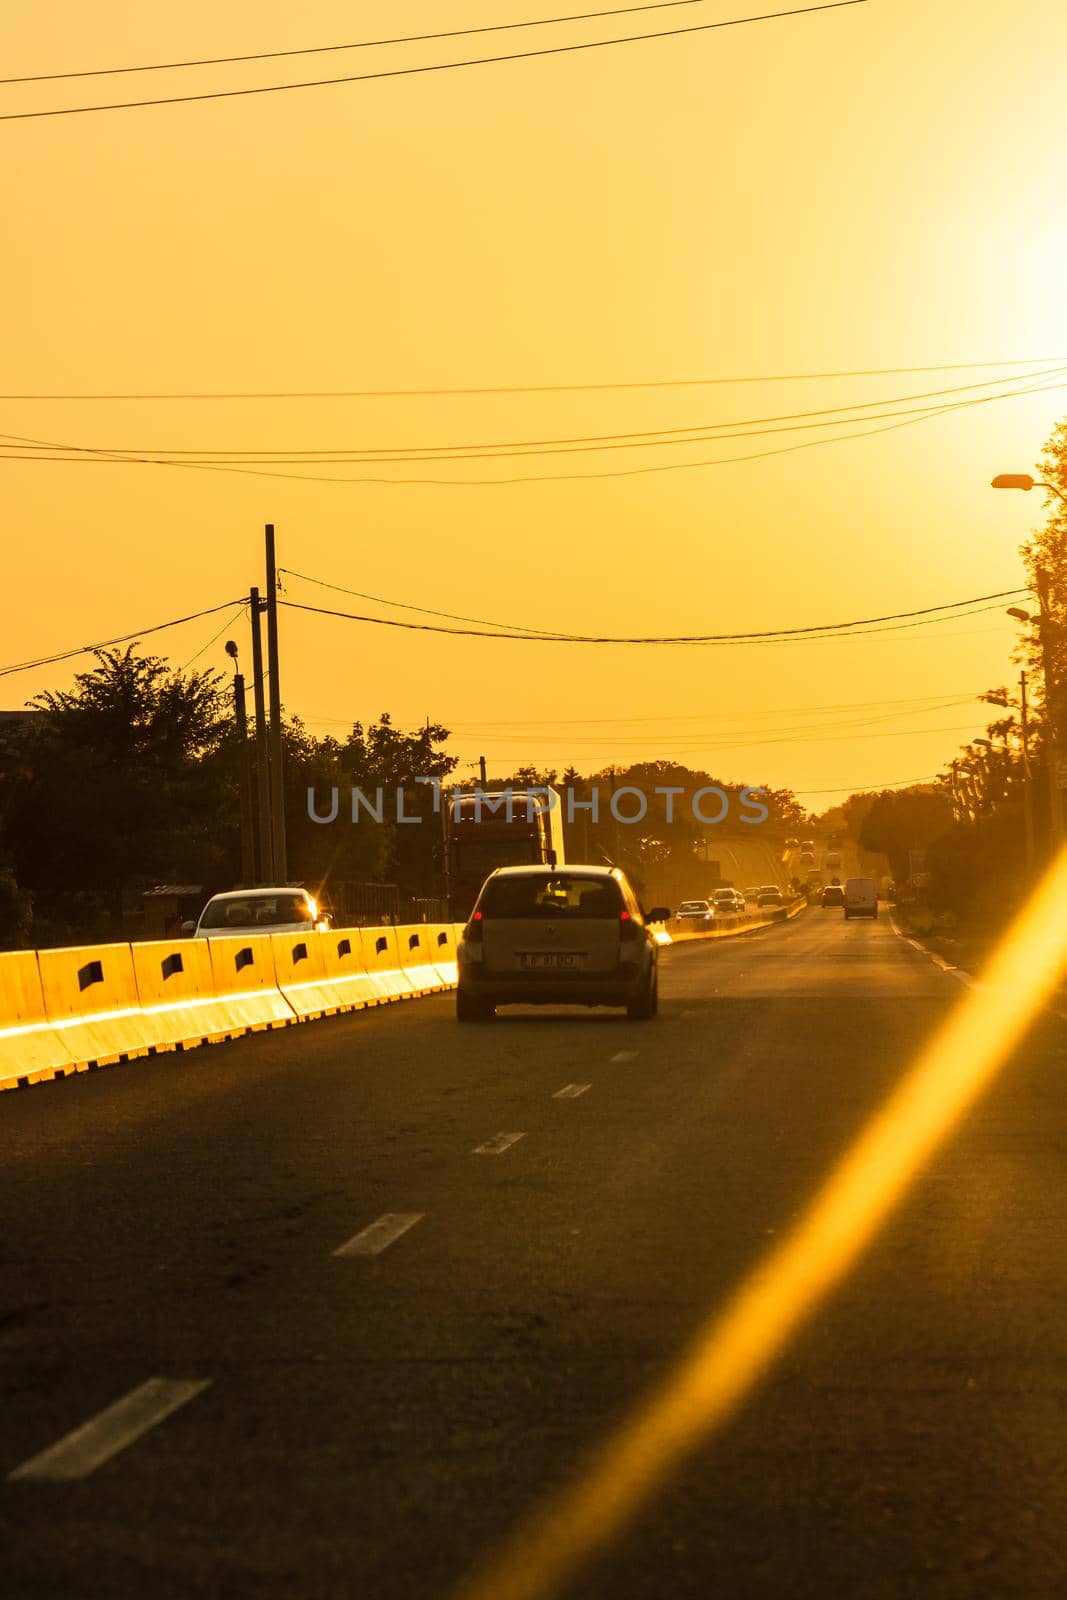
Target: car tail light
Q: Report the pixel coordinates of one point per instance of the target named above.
(473, 931)
(627, 926)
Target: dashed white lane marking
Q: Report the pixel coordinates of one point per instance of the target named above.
(571, 1091)
(497, 1144)
(625, 1055)
(378, 1236)
(97, 1440)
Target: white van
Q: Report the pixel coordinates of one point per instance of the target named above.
(861, 898)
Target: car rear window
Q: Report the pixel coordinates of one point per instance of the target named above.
(548, 896)
(258, 911)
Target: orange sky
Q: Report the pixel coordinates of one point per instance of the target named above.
(872, 187)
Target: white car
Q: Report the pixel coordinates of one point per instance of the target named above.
(244, 911)
(558, 935)
(861, 898)
(694, 912)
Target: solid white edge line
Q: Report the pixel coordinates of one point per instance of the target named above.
(379, 1235)
(110, 1431)
(571, 1091)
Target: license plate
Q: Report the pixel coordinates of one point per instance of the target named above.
(556, 960)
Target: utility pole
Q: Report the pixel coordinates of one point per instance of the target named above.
(481, 771)
(244, 771)
(264, 873)
(277, 791)
(1028, 785)
(1051, 699)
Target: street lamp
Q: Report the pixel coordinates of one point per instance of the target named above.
(1023, 480)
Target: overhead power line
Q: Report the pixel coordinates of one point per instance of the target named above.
(122, 638)
(401, 605)
(559, 634)
(872, 788)
(952, 612)
(359, 44)
(535, 388)
(38, 450)
(436, 66)
(226, 626)
(502, 449)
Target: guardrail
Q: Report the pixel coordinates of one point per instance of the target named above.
(66, 1011)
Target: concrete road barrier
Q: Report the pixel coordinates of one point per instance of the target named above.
(176, 993)
(246, 987)
(381, 957)
(301, 976)
(346, 971)
(416, 957)
(91, 1000)
(443, 952)
(30, 1049)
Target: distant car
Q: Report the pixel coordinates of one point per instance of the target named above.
(770, 895)
(833, 895)
(245, 911)
(790, 844)
(808, 844)
(727, 902)
(694, 912)
(807, 858)
(751, 894)
(833, 858)
(861, 898)
(573, 935)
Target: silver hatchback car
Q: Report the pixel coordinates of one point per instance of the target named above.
(558, 936)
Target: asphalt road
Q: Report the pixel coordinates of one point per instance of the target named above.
(372, 1425)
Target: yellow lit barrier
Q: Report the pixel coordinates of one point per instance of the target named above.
(731, 926)
(246, 988)
(301, 976)
(381, 957)
(443, 953)
(30, 1049)
(416, 957)
(346, 971)
(176, 993)
(90, 997)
